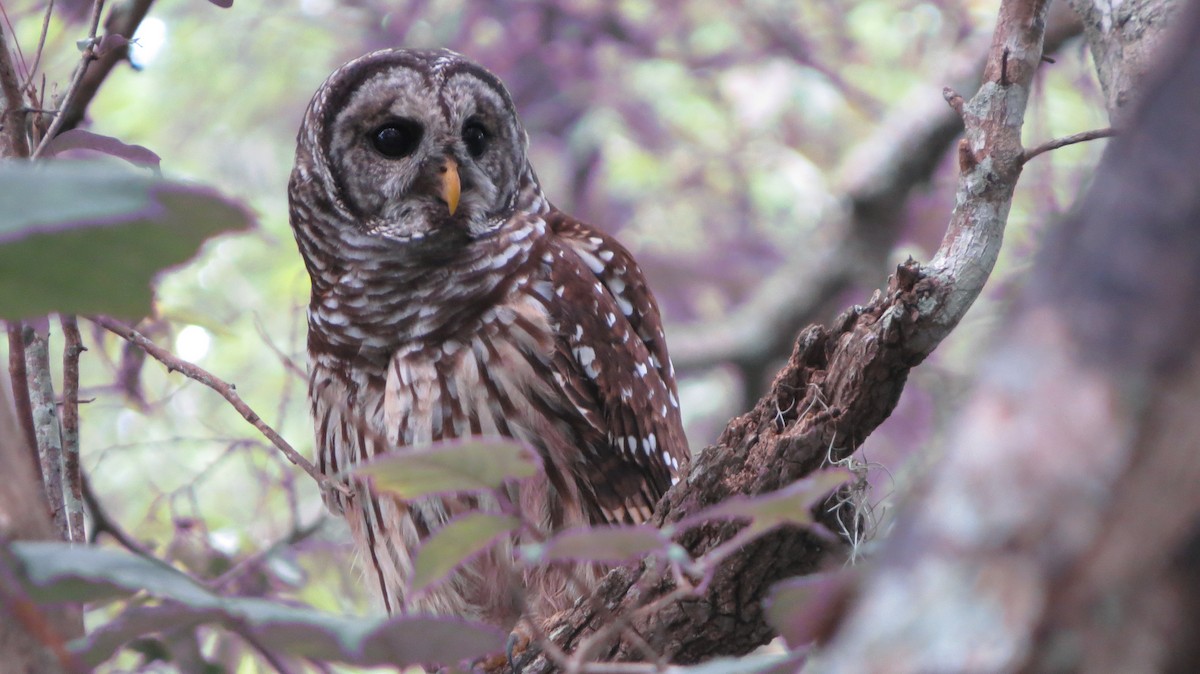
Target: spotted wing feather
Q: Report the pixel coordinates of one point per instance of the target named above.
(617, 372)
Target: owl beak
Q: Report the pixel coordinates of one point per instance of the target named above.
(451, 187)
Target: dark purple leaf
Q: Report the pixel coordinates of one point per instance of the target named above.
(55, 572)
(413, 640)
(78, 139)
(109, 42)
(225, 4)
(804, 609)
(790, 505)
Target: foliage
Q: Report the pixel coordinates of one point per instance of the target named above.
(119, 227)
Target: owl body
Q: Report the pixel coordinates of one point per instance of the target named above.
(450, 300)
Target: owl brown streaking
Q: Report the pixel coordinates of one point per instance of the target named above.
(451, 299)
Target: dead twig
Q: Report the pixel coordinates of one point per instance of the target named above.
(37, 57)
(14, 143)
(1068, 140)
(72, 347)
(224, 388)
(89, 54)
(19, 377)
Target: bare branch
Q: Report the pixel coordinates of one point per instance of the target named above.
(89, 54)
(73, 497)
(1068, 140)
(197, 373)
(19, 378)
(856, 368)
(14, 144)
(37, 57)
(1058, 526)
(877, 175)
(46, 425)
(123, 20)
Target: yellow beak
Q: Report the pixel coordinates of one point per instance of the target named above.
(451, 187)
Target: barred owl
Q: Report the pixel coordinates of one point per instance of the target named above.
(451, 299)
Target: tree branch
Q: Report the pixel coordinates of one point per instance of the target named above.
(225, 389)
(840, 383)
(19, 377)
(72, 93)
(1058, 530)
(14, 143)
(1068, 140)
(73, 495)
(47, 428)
(877, 177)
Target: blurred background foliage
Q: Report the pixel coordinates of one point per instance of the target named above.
(715, 139)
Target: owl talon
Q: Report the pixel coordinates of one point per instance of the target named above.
(517, 644)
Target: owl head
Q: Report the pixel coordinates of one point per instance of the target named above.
(422, 148)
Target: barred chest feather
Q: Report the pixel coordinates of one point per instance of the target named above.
(501, 373)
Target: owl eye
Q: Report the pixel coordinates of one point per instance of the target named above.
(398, 138)
(475, 136)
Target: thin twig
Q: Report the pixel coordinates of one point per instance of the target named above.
(15, 143)
(37, 57)
(102, 523)
(89, 54)
(123, 20)
(247, 634)
(72, 347)
(1067, 140)
(197, 373)
(240, 569)
(18, 376)
(46, 424)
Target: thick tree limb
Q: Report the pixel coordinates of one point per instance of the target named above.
(876, 179)
(838, 385)
(28, 641)
(1123, 38)
(1059, 531)
(12, 138)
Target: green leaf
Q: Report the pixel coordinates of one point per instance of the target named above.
(89, 238)
(611, 544)
(458, 541)
(462, 465)
(55, 572)
(790, 505)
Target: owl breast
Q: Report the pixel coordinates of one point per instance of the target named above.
(490, 377)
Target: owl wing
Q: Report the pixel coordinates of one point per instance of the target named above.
(613, 366)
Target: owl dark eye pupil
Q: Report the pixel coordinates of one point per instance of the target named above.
(475, 137)
(397, 139)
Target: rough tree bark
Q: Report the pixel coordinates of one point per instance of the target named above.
(875, 182)
(1124, 37)
(1059, 531)
(838, 385)
(27, 636)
